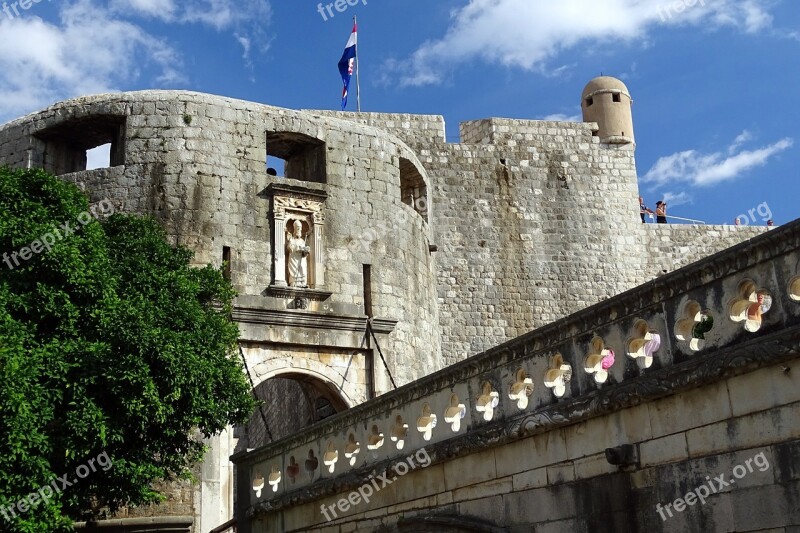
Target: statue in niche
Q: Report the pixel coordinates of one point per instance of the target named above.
(297, 257)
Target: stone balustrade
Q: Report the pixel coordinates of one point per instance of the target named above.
(725, 315)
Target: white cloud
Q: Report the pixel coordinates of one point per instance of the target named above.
(527, 34)
(563, 117)
(708, 169)
(741, 139)
(159, 9)
(89, 51)
(675, 199)
(218, 14)
(95, 49)
(245, 42)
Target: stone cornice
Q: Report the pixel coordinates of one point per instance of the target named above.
(295, 191)
(294, 292)
(309, 319)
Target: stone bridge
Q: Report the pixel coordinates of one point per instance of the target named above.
(671, 407)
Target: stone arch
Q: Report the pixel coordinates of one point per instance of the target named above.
(297, 390)
(292, 401)
(309, 371)
(413, 183)
(315, 379)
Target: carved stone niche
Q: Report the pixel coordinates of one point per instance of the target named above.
(298, 255)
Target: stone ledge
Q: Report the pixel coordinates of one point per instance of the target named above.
(295, 292)
(164, 524)
(299, 191)
(300, 318)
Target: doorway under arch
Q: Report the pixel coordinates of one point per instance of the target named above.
(290, 402)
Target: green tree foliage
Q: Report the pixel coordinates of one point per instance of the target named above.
(110, 344)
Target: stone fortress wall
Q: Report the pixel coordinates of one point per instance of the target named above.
(197, 163)
(536, 220)
(468, 244)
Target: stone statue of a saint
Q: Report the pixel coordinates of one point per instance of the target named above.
(297, 258)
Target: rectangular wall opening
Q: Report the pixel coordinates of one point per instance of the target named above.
(368, 290)
(99, 157)
(86, 143)
(226, 262)
(296, 156)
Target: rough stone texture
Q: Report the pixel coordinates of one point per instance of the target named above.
(533, 221)
(197, 163)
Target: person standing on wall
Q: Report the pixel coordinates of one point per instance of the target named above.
(643, 210)
(661, 212)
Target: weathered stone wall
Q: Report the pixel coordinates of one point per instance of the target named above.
(669, 247)
(530, 228)
(197, 163)
(412, 129)
(179, 501)
(535, 220)
(561, 481)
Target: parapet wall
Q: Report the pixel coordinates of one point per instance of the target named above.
(518, 132)
(412, 129)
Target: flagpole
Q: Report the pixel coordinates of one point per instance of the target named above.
(358, 80)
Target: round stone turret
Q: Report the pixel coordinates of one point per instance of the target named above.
(606, 100)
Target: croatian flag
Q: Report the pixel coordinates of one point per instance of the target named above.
(347, 63)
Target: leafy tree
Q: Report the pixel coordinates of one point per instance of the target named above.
(114, 354)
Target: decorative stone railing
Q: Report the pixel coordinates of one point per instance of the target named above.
(727, 314)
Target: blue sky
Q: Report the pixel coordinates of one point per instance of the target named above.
(715, 82)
